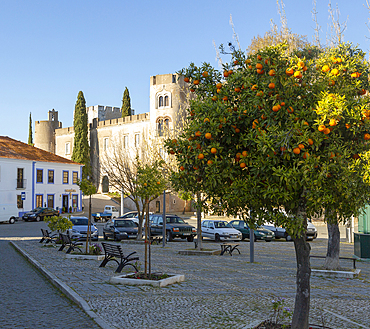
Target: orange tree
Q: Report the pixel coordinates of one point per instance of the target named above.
(260, 138)
(343, 109)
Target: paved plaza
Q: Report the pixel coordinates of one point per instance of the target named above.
(219, 291)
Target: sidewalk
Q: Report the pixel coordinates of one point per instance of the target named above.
(219, 291)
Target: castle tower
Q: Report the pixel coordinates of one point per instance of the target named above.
(167, 99)
(45, 132)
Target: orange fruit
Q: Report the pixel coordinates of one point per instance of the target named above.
(367, 136)
(230, 72)
(332, 155)
(275, 108)
(306, 155)
(226, 74)
(282, 103)
(209, 162)
(321, 128)
(289, 71)
(219, 85)
(332, 122)
(196, 82)
(198, 146)
(325, 68)
(225, 98)
(301, 146)
(247, 61)
(182, 168)
(326, 131)
(334, 71)
(271, 85)
(242, 165)
(236, 62)
(208, 135)
(192, 90)
(238, 155)
(290, 109)
(206, 120)
(198, 133)
(272, 73)
(158, 183)
(237, 89)
(214, 98)
(218, 91)
(348, 125)
(298, 74)
(300, 65)
(205, 74)
(237, 130)
(310, 141)
(200, 156)
(263, 117)
(259, 66)
(244, 153)
(296, 150)
(213, 150)
(186, 79)
(259, 71)
(254, 87)
(259, 57)
(362, 92)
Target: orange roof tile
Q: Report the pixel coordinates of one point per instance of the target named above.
(13, 149)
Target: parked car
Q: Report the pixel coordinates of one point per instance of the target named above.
(8, 213)
(220, 230)
(79, 229)
(280, 232)
(130, 214)
(260, 233)
(118, 229)
(39, 213)
(176, 227)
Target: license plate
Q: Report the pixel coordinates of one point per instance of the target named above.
(132, 236)
(186, 233)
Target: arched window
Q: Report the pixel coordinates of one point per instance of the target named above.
(160, 127)
(160, 103)
(167, 123)
(166, 103)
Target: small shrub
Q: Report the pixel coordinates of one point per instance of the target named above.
(58, 223)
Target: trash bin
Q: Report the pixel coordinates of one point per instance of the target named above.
(362, 245)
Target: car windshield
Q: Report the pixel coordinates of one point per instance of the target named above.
(174, 220)
(36, 209)
(222, 224)
(124, 223)
(79, 221)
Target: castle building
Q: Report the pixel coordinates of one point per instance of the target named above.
(106, 127)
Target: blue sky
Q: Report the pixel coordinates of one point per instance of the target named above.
(52, 49)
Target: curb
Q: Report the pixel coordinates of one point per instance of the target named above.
(65, 289)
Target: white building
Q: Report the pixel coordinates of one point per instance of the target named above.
(31, 177)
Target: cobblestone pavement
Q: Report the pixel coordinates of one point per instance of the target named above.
(28, 300)
(219, 291)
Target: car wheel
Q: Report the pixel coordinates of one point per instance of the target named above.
(11, 220)
(169, 237)
(105, 236)
(190, 238)
(217, 238)
(38, 218)
(115, 238)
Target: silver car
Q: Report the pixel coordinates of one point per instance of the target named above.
(79, 229)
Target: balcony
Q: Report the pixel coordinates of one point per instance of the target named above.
(21, 184)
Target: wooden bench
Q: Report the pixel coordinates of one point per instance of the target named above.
(114, 252)
(48, 237)
(349, 258)
(229, 247)
(67, 242)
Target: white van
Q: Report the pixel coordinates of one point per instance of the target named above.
(8, 213)
(111, 210)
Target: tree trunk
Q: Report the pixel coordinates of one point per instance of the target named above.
(332, 254)
(199, 223)
(302, 298)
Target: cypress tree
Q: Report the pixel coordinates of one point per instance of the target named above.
(81, 149)
(30, 138)
(126, 104)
